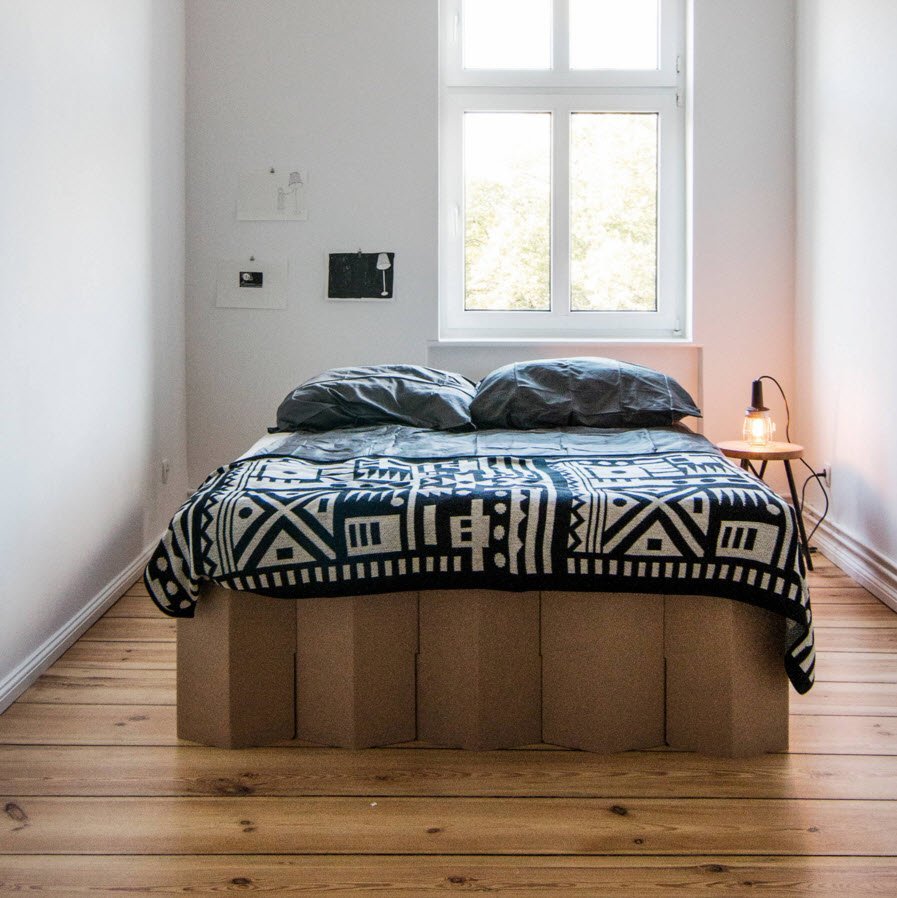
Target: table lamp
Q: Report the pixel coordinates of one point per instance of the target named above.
(759, 428)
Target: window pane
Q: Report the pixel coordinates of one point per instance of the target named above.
(506, 34)
(613, 34)
(507, 203)
(613, 211)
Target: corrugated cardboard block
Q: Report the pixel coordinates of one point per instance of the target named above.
(235, 669)
(355, 676)
(478, 669)
(602, 670)
(727, 692)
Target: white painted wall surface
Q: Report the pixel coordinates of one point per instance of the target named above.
(743, 204)
(348, 90)
(91, 300)
(847, 232)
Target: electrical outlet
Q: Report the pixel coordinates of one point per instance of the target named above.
(827, 475)
(166, 470)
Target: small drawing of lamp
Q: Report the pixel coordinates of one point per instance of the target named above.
(382, 264)
(294, 185)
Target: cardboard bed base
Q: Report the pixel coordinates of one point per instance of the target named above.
(483, 669)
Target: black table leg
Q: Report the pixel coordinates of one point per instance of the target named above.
(800, 518)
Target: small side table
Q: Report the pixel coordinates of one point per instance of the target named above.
(783, 452)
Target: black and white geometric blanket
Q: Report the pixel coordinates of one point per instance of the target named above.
(665, 520)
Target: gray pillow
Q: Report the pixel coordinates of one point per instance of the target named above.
(378, 394)
(584, 392)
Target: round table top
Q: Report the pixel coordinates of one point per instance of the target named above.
(770, 452)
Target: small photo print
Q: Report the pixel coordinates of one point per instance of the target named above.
(263, 286)
(252, 279)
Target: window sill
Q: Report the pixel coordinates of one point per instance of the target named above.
(485, 342)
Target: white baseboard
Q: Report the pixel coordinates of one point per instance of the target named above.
(868, 567)
(23, 675)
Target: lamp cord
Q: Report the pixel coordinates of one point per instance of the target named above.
(814, 475)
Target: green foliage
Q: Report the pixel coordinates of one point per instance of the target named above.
(507, 247)
(613, 221)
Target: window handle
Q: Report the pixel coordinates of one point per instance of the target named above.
(456, 220)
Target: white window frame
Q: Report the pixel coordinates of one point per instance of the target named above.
(561, 92)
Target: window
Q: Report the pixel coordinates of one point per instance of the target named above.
(562, 170)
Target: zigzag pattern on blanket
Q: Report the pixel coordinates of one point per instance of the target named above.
(674, 522)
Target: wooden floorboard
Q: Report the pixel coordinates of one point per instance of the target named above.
(116, 686)
(386, 825)
(81, 770)
(132, 629)
(122, 654)
(856, 667)
(100, 797)
(40, 724)
(855, 616)
(846, 735)
(26, 723)
(137, 589)
(862, 699)
(134, 606)
(407, 877)
(856, 639)
(845, 595)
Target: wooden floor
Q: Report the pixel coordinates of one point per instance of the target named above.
(100, 797)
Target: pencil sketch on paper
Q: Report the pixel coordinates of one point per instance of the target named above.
(272, 195)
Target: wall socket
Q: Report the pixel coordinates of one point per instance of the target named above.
(165, 470)
(827, 475)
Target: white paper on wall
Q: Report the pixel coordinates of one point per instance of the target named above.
(251, 284)
(272, 195)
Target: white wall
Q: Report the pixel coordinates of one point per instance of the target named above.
(743, 203)
(91, 300)
(348, 89)
(847, 232)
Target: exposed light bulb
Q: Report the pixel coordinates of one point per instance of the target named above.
(759, 428)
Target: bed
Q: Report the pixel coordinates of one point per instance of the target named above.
(597, 587)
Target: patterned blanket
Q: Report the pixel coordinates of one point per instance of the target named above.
(664, 520)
